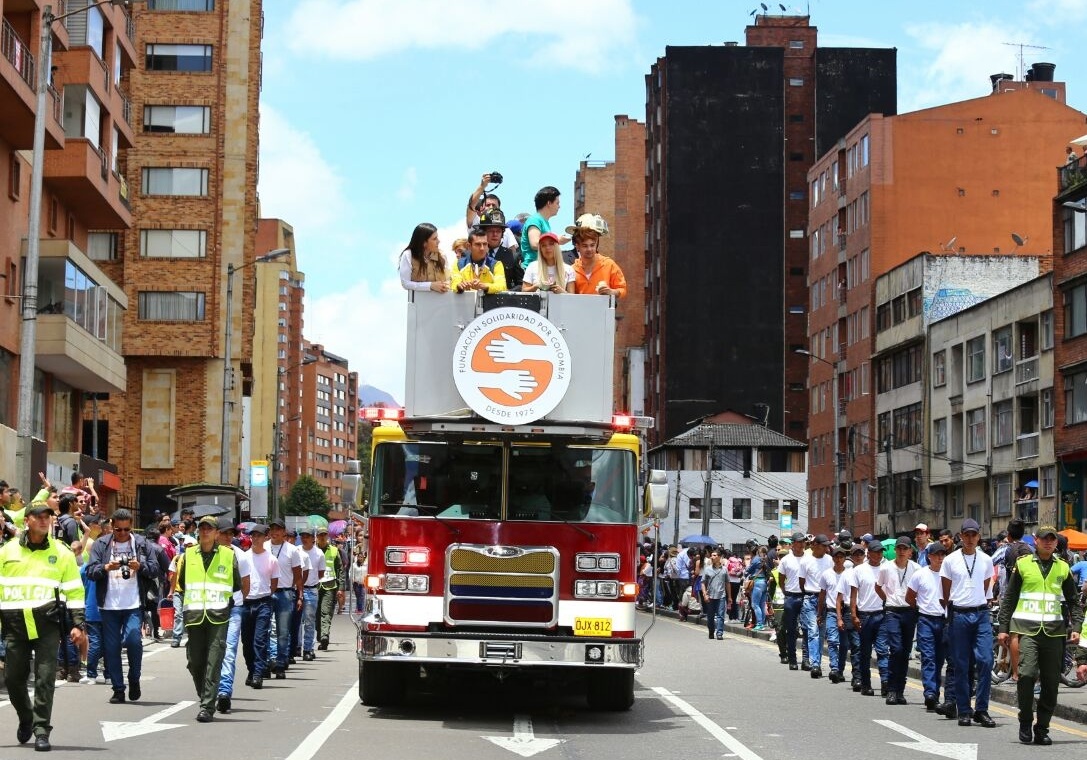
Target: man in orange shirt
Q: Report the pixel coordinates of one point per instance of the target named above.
(594, 273)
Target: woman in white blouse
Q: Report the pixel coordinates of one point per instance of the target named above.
(422, 266)
(549, 272)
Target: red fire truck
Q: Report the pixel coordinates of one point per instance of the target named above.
(505, 502)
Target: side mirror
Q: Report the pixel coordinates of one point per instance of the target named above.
(656, 494)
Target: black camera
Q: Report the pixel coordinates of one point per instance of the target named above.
(126, 572)
(496, 178)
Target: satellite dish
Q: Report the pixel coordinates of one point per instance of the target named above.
(1019, 239)
(764, 8)
(783, 8)
(949, 246)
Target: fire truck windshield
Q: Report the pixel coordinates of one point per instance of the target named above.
(584, 484)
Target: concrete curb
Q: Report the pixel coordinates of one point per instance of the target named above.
(1004, 694)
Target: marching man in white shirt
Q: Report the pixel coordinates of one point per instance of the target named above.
(791, 570)
(867, 610)
(965, 576)
(899, 618)
(924, 591)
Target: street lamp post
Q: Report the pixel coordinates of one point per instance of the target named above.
(276, 433)
(228, 358)
(836, 524)
(28, 333)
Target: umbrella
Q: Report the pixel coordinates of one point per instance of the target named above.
(316, 521)
(203, 510)
(1031, 484)
(246, 526)
(699, 541)
(1081, 141)
(336, 527)
(1077, 541)
(889, 547)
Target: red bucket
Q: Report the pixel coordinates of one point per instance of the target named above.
(166, 614)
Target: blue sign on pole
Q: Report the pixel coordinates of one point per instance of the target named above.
(785, 521)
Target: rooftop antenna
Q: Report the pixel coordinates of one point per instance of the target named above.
(949, 246)
(1020, 69)
(1019, 241)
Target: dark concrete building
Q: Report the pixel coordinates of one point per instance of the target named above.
(731, 133)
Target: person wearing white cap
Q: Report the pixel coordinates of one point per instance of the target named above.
(921, 539)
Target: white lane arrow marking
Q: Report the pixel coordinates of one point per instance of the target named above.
(951, 750)
(114, 730)
(524, 741)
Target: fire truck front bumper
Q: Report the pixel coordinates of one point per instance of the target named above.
(499, 650)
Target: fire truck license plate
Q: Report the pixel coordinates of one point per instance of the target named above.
(592, 626)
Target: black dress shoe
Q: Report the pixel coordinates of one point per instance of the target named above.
(308, 657)
(323, 645)
(867, 693)
(982, 719)
(900, 699)
(205, 716)
(249, 680)
(856, 687)
(292, 660)
(855, 683)
(892, 699)
(279, 674)
(816, 673)
(117, 698)
(222, 704)
(834, 676)
(41, 744)
(1041, 736)
(883, 691)
(783, 660)
(258, 683)
(1026, 736)
(134, 692)
(805, 665)
(949, 710)
(931, 704)
(793, 666)
(964, 720)
(24, 732)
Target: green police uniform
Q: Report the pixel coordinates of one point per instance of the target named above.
(777, 601)
(39, 588)
(330, 583)
(1033, 607)
(208, 581)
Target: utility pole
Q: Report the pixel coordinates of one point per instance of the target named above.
(675, 534)
(890, 481)
(707, 493)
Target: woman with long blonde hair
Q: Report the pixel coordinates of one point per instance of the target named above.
(549, 272)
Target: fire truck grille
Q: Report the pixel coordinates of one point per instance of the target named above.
(501, 585)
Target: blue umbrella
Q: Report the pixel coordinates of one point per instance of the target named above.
(1031, 484)
(700, 540)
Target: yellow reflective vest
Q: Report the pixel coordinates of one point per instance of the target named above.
(330, 580)
(1038, 610)
(208, 592)
(34, 582)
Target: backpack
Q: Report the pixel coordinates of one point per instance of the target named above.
(735, 566)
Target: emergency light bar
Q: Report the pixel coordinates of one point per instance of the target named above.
(631, 421)
(379, 413)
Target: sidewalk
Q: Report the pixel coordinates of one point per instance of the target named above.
(1071, 703)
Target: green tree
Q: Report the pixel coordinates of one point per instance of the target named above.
(307, 497)
(365, 437)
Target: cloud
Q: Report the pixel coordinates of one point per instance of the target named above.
(406, 191)
(570, 33)
(296, 182)
(959, 60)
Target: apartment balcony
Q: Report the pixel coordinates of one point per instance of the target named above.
(81, 175)
(18, 101)
(1072, 177)
(1026, 446)
(78, 338)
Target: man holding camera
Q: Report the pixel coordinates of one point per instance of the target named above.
(123, 570)
(480, 202)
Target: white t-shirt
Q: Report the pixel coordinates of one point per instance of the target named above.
(122, 594)
(830, 582)
(262, 568)
(893, 579)
(812, 569)
(244, 570)
(532, 274)
(864, 580)
(314, 565)
(845, 586)
(970, 576)
(926, 584)
(289, 557)
(791, 566)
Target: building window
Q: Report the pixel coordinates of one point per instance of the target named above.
(939, 435)
(173, 244)
(796, 118)
(796, 195)
(1002, 424)
(171, 306)
(741, 509)
(15, 175)
(1047, 329)
(770, 509)
(181, 120)
(175, 181)
(1075, 398)
(975, 360)
(796, 82)
(1075, 230)
(796, 44)
(102, 246)
(1048, 481)
(1047, 408)
(695, 509)
(975, 430)
(180, 5)
(178, 57)
(939, 369)
(1002, 350)
(1002, 492)
(1075, 311)
(907, 426)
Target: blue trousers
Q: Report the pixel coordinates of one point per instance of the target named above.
(758, 601)
(94, 648)
(179, 618)
(810, 620)
(930, 642)
(794, 606)
(284, 609)
(971, 633)
(122, 628)
(849, 646)
(230, 656)
(873, 636)
(899, 627)
(833, 637)
(309, 618)
(256, 627)
(714, 610)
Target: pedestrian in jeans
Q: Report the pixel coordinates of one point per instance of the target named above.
(225, 538)
(288, 595)
(924, 592)
(93, 622)
(257, 614)
(715, 585)
(123, 570)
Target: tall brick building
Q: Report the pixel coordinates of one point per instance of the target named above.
(616, 191)
(731, 133)
(192, 177)
(960, 179)
(84, 213)
(330, 401)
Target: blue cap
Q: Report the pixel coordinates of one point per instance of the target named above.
(515, 226)
(970, 524)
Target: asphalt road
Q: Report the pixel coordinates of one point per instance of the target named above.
(696, 699)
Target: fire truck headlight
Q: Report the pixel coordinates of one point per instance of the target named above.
(419, 584)
(630, 589)
(586, 562)
(395, 556)
(373, 582)
(405, 555)
(585, 588)
(396, 582)
(418, 556)
(609, 589)
(597, 563)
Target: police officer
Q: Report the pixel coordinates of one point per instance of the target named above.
(330, 588)
(208, 577)
(1032, 607)
(41, 588)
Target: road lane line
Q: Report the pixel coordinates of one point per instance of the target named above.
(318, 736)
(714, 730)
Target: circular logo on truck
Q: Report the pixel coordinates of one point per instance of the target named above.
(511, 366)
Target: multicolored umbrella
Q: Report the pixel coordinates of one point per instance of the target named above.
(316, 521)
(336, 527)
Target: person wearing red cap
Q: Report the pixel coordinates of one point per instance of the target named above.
(549, 272)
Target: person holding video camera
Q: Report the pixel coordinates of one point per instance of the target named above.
(480, 202)
(123, 571)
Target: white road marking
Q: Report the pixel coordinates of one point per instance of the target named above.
(113, 730)
(922, 743)
(318, 736)
(524, 741)
(712, 728)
